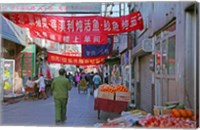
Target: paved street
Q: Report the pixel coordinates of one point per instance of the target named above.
(41, 112)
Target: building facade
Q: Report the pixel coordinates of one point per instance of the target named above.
(170, 27)
(13, 41)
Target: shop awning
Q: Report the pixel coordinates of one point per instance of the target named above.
(13, 32)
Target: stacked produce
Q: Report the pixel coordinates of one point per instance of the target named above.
(167, 121)
(183, 113)
(112, 88)
(119, 88)
(114, 92)
(106, 88)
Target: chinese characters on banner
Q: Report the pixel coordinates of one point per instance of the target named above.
(61, 59)
(74, 54)
(87, 25)
(71, 38)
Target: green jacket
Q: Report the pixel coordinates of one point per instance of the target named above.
(60, 87)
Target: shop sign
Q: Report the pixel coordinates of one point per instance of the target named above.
(28, 61)
(98, 50)
(52, 7)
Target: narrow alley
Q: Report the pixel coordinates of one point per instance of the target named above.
(80, 112)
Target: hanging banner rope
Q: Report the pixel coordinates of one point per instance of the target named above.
(84, 25)
(70, 38)
(61, 59)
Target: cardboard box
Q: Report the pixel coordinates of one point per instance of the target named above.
(123, 96)
(161, 110)
(105, 95)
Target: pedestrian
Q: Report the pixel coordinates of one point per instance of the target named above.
(41, 82)
(60, 87)
(77, 79)
(29, 87)
(106, 78)
(67, 75)
(96, 80)
(90, 77)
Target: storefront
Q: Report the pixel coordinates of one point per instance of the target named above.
(172, 36)
(13, 42)
(165, 65)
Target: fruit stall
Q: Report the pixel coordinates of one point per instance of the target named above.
(169, 116)
(111, 98)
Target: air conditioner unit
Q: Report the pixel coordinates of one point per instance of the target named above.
(147, 45)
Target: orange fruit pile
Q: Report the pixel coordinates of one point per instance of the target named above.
(120, 88)
(113, 88)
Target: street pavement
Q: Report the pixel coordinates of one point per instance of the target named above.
(80, 112)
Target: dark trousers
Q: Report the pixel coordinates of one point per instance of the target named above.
(60, 109)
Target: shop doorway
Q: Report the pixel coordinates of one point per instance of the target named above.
(146, 89)
(165, 66)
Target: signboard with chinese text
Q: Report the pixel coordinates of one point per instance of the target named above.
(52, 7)
(28, 61)
(98, 50)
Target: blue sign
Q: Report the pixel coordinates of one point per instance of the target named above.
(98, 50)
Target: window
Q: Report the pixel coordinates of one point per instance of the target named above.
(171, 55)
(166, 52)
(158, 59)
(164, 56)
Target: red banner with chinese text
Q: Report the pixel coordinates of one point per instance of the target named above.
(70, 38)
(62, 59)
(80, 24)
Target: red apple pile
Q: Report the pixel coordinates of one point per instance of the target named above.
(166, 121)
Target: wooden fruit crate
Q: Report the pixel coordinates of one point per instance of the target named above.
(161, 110)
(123, 96)
(105, 95)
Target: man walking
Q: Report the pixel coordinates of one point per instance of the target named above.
(60, 87)
(96, 80)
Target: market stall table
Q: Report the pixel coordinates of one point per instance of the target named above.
(109, 105)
